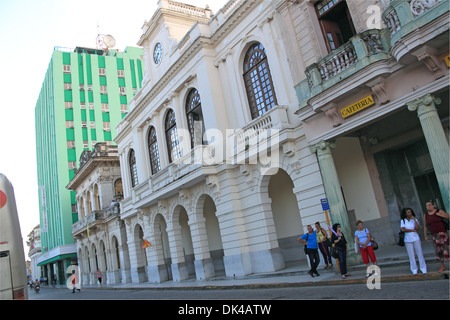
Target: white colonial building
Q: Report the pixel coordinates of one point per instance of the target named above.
(99, 232)
(249, 117)
(217, 174)
(34, 250)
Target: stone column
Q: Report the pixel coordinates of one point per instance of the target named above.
(204, 267)
(124, 263)
(436, 141)
(179, 268)
(338, 210)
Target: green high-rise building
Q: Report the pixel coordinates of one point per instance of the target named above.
(84, 95)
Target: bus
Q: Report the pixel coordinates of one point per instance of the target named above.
(13, 276)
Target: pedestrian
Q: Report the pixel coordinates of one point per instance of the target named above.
(341, 246)
(410, 226)
(323, 242)
(55, 279)
(310, 240)
(99, 277)
(362, 238)
(433, 222)
(74, 282)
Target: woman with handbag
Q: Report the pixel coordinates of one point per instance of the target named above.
(410, 226)
(362, 238)
(340, 244)
(434, 222)
(324, 245)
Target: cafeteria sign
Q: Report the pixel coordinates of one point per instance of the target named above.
(357, 106)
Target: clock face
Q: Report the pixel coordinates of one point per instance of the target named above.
(157, 53)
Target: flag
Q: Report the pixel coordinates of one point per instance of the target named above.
(146, 244)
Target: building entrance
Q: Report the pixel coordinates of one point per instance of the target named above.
(408, 180)
(428, 190)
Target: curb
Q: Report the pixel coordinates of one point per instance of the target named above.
(281, 282)
(385, 279)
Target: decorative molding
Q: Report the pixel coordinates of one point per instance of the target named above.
(380, 92)
(289, 149)
(335, 116)
(426, 100)
(322, 145)
(247, 171)
(428, 57)
(213, 184)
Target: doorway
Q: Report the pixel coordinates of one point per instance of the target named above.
(428, 190)
(408, 180)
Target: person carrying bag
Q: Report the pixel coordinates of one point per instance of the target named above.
(311, 249)
(324, 245)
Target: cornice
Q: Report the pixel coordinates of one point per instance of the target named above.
(143, 99)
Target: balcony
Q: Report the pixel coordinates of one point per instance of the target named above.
(257, 136)
(94, 219)
(189, 169)
(415, 22)
(202, 161)
(404, 16)
(363, 50)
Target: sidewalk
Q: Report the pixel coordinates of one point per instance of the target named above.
(392, 260)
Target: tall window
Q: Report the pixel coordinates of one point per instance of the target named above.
(118, 190)
(194, 114)
(173, 144)
(258, 81)
(133, 169)
(336, 22)
(153, 151)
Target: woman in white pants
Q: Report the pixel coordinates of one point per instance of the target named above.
(410, 226)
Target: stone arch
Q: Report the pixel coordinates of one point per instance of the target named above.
(138, 258)
(182, 249)
(208, 244)
(93, 261)
(102, 260)
(86, 270)
(162, 247)
(115, 254)
(277, 192)
(141, 254)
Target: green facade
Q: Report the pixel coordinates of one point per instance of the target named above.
(84, 95)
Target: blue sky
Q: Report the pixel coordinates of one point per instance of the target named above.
(29, 30)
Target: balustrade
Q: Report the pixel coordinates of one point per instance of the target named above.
(399, 13)
(351, 54)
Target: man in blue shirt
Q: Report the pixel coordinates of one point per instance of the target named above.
(310, 240)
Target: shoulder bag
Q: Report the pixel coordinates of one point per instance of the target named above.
(306, 248)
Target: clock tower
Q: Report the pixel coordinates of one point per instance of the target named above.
(162, 36)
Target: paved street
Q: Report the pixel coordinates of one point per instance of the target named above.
(429, 289)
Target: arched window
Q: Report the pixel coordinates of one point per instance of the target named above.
(194, 114)
(81, 207)
(133, 169)
(173, 144)
(96, 198)
(118, 190)
(88, 202)
(258, 81)
(153, 151)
